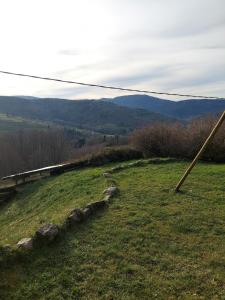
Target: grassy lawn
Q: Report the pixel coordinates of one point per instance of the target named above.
(48, 200)
(149, 244)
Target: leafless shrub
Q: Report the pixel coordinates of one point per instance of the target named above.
(179, 140)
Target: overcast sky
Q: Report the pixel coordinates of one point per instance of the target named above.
(162, 45)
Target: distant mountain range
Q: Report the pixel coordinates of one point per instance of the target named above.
(99, 116)
(185, 109)
(119, 115)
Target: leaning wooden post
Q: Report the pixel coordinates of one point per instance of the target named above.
(208, 140)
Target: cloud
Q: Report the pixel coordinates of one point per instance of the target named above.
(164, 45)
(69, 52)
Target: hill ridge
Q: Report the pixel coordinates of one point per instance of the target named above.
(183, 109)
(102, 116)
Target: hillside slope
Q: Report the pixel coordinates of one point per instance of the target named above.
(14, 123)
(48, 200)
(149, 244)
(185, 109)
(88, 114)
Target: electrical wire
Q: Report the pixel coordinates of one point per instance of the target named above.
(110, 87)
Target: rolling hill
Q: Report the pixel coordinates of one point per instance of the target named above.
(100, 116)
(185, 109)
(118, 115)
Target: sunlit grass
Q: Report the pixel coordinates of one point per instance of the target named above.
(149, 244)
(48, 200)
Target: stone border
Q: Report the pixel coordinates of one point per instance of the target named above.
(139, 163)
(100, 159)
(48, 232)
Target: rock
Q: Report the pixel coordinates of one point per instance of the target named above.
(76, 216)
(26, 243)
(107, 198)
(111, 182)
(111, 191)
(6, 248)
(117, 168)
(87, 212)
(47, 232)
(107, 175)
(133, 164)
(139, 163)
(96, 205)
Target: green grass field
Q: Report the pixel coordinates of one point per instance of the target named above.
(149, 244)
(13, 123)
(48, 200)
(9, 123)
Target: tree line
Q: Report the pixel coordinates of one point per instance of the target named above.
(31, 149)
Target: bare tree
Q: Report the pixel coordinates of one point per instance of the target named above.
(29, 149)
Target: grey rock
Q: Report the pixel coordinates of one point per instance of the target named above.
(96, 205)
(107, 198)
(131, 164)
(87, 212)
(25, 243)
(111, 191)
(139, 163)
(117, 168)
(107, 175)
(6, 248)
(47, 232)
(75, 216)
(111, 182)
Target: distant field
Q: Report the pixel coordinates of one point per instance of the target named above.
(10, 123)
(149, 244)
(13, 123)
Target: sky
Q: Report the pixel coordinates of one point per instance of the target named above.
(162, 45)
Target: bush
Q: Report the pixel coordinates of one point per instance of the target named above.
(179, 140)
(100, 156)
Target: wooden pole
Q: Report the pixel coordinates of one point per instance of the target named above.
(208, 140)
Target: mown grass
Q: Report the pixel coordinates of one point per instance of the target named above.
(48, 200)
(149, 244)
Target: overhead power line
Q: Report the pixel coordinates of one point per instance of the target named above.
(109, 87)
